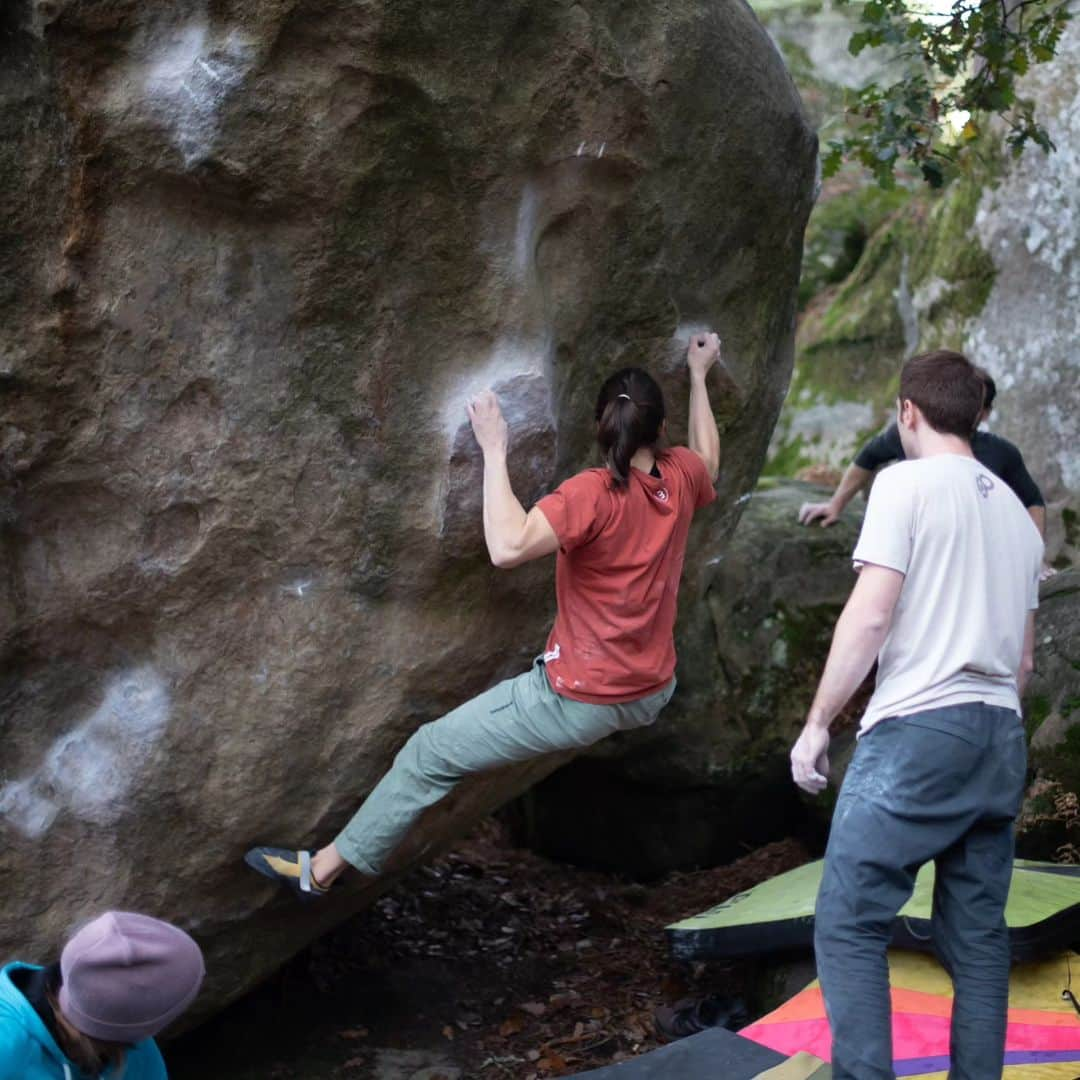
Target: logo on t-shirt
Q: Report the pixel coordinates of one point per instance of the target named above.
(661, 494)
(984, 484)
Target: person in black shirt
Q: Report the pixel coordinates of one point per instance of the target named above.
(999, 455)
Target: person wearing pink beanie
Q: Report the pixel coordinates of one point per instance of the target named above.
(121, 979)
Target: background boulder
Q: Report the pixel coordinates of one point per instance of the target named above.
(1050, 823)
(990, 265)
(253, 259)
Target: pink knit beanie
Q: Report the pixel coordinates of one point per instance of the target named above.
(126, 976)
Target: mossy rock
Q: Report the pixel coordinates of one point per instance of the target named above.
(921, 275)
(951, 273)
(839, 229)
(1052, 718)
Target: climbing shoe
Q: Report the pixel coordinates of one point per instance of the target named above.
(292, 868)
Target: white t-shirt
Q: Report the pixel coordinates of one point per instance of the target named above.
(971, 557)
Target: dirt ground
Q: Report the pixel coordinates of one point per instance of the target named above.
(491, 962)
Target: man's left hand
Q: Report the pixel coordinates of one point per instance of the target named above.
(810, 759)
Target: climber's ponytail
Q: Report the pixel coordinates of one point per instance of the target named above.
(629, 415)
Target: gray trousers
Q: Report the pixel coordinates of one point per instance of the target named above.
(518, 719)
(944, 784)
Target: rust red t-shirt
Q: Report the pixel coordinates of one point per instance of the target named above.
(617, 576)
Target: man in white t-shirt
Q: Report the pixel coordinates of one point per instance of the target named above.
(948, 566)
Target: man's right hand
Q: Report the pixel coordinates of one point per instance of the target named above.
(810, 759)
(703, 352)
(823, 512)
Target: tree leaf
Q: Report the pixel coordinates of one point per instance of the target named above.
(933, 173)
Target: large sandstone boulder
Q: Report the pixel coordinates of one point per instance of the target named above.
(711, 777)
(253, 259)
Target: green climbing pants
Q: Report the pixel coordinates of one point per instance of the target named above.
(518, 719)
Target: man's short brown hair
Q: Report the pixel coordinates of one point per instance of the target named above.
(947, 388)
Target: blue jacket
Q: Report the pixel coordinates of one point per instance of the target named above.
(29, 1052)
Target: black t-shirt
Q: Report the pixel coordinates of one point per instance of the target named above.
(999, 455)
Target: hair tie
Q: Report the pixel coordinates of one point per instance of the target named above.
(627, 396)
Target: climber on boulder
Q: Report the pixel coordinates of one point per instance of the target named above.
(620, 536)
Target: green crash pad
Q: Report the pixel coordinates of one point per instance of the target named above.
(1043, 914)
(716, 1054)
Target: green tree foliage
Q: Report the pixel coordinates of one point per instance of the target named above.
(961, 63)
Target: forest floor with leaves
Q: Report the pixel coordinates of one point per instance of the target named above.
(490, 962)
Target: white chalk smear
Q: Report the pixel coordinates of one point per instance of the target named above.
(90, 769)
(524, 234)
(508, 359)
(185, 82)
(526, 344)
(299, 588)
(687, 330)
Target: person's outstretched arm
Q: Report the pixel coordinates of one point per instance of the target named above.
(1038, 516)
(1014, 472)
(704, 439)
(879, 451)
(1027, 657)
(853, 481)
(512, 536)
(858, 637)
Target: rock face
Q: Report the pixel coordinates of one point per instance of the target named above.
(253, 259)
(991, 266)
(1051, 815)
(711, 777)
(1027, 330)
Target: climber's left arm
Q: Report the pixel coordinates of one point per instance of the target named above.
(512, 535)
